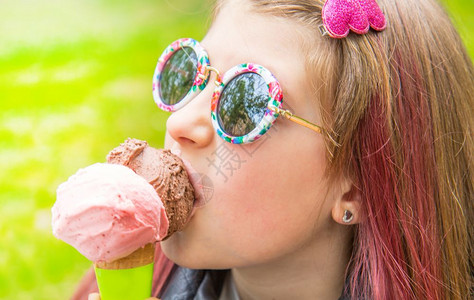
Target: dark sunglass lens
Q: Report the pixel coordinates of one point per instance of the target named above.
(177, 76)
(242, 104)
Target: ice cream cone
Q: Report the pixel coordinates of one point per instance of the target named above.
(141, 196)
(128, 278)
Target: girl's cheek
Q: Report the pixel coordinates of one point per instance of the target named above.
(248, 211)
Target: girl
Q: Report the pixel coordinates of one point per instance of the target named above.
(373, 200)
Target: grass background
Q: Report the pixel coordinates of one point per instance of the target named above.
(75, 81)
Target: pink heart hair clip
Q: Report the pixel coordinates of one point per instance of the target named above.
(340, 16)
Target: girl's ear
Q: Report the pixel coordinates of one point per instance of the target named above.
(347, 209)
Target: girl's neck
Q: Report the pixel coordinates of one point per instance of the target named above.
(316, 271)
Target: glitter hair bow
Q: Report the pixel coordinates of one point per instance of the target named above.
(340, 16)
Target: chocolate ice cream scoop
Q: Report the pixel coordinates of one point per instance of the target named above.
(165, 172)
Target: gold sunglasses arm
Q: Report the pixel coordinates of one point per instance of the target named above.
(290, 116)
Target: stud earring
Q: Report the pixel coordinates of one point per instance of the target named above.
(348, 216)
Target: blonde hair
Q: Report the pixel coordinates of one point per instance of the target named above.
(398, 105)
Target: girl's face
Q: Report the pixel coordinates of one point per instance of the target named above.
(269, 199)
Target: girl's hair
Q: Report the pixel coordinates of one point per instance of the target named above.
(397, 107)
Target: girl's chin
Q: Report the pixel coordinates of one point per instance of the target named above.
(175, 251)
(191, 259)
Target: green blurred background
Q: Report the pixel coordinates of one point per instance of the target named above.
(75, 81)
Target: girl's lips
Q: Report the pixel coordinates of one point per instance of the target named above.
(195, 179)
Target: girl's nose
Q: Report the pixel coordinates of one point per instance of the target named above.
(191, 126)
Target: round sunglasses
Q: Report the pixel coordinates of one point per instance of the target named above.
(246, 101)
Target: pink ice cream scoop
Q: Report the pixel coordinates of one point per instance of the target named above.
(107, 211)
(141, 196)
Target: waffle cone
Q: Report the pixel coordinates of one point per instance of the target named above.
(141, 257)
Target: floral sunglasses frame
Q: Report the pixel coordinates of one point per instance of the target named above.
(203, 70)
